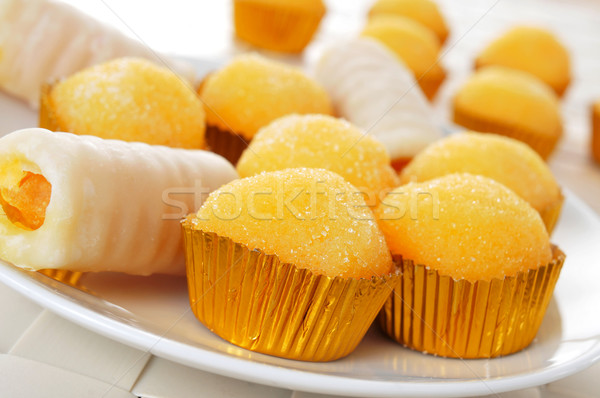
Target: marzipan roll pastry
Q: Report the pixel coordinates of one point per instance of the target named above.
(81, 203)
(45, 40)
(370, 87)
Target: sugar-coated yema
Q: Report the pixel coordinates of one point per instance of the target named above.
(82, 203)
(311, 218)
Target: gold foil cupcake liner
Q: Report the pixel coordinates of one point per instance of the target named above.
(551, 214)
(544, 145)
(225, 143)
(595, 140)
(277, 28)
(256, 302)
(438, 315)
(71, 278)
(47, 117)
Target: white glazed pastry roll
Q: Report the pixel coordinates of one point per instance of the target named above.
(371, 88)
(43, 40)
(82, 203)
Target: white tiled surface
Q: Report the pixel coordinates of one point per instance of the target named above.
(57, 342)
(20, 377)
(162, 378)
(42, 355)
(55, 358)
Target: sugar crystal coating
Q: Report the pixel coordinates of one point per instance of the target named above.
(502, 159)
(132, 100)
(252, 91)
(312, 218)
(464, 226)
(320, 141)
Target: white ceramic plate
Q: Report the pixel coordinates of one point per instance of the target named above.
(153, 314)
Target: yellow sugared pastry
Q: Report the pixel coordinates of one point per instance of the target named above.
(322, 142)
(596, 131)
(278, 25)
(264, 91)
(507, 161)
(533, 50)
(45, 40)
(301, 231)
(473, 254)
(289, 263)
(417, 46)
(511, 103)
(128, 99)
(466, 226)
(426, 12)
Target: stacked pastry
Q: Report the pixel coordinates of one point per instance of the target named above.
(264, 91)
(370, 87)
(515, 90)
(415, 31)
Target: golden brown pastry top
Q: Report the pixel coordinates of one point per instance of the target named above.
(252, 91)
(426, 12)
(530, 49)
(500, 158)
(132, 100)
(416, 45)
(509, 97)
(307, 5)
(311, 218)
(469, 227)
(322, 142)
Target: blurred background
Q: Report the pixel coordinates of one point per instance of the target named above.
(203, 31)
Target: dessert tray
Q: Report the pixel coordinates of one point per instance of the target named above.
(153, 315)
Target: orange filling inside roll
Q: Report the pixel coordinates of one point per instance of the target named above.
(25, 203)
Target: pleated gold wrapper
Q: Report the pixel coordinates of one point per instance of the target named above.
(71, 278)
(225, 143)
(551, 214)
(256, 302)
(276, 27)
(595, 139)
(47, 117)
(543, 144)
(438, 315)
